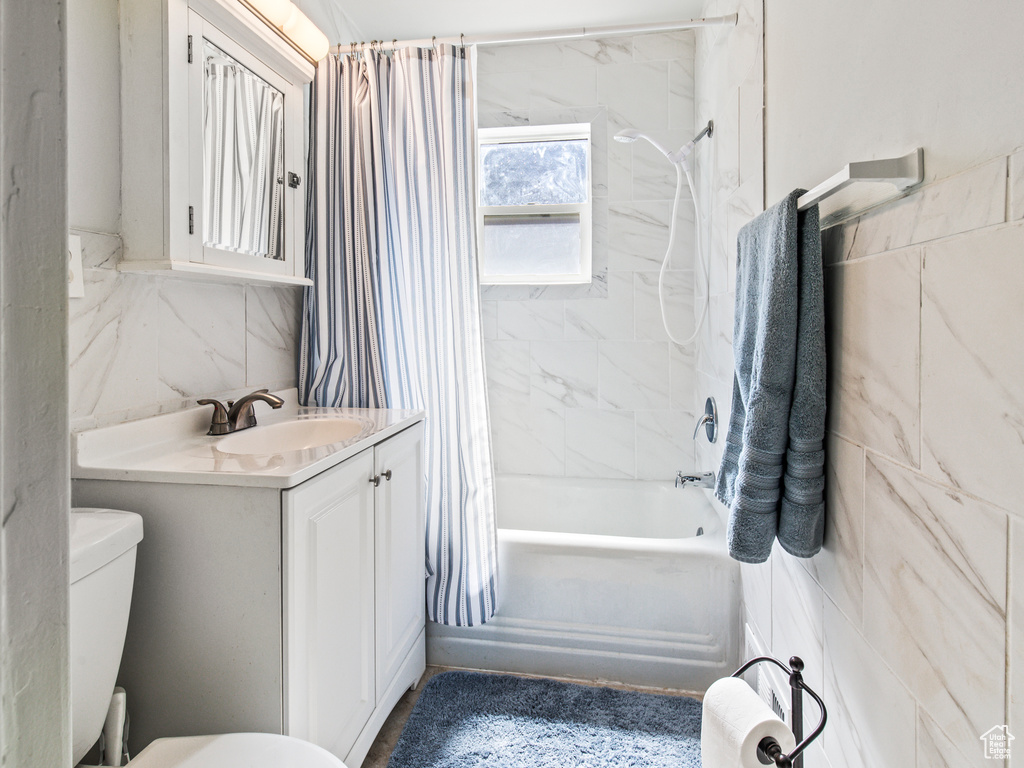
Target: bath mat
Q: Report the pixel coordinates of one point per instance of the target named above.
(478, 720)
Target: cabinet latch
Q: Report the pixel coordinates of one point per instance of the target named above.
(294, 180)
(191, 220)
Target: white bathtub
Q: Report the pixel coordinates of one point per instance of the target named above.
(605, 579)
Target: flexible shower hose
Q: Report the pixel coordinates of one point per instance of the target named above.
(681, 169)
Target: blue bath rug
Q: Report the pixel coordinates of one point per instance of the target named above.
(477, 720)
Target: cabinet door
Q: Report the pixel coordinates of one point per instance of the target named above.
(244, 215)
(328, 571)
(401, 602)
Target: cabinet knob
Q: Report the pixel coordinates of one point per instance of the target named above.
(387, 475)
(375, 480)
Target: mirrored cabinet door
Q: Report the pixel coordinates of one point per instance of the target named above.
(243, 159)
(244, 202)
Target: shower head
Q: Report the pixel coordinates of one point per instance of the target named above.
(629, 135)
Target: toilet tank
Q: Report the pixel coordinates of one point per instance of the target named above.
(103, 545)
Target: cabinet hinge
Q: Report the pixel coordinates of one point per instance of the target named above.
(191, 220)
(190, 49)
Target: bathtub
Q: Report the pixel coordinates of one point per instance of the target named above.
(618, 580)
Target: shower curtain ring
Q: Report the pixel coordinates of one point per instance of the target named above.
(433, 43)
(462, 41)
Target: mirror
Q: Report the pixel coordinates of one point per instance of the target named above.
(243, 158)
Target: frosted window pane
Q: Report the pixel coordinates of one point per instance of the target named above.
(532, 245)
(546, 172)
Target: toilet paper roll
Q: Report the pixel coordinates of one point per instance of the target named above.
(734, 721)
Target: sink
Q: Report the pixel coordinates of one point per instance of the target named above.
(295, 435)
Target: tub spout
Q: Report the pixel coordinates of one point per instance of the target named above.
(701, 480)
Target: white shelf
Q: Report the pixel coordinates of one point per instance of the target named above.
(207, 272)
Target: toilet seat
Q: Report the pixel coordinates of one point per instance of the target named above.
(235, 750)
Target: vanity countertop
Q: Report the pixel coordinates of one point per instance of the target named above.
(174, 447)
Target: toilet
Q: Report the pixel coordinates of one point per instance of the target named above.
(103, 545)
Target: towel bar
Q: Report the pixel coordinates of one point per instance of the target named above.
(904, 172)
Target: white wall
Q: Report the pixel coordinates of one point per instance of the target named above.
(582, 380)
(860, 80)
(332, 19)
(141, 345)
(910, 618)
(34, 672)
(94, 104)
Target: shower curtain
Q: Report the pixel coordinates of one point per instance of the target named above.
(393, 317)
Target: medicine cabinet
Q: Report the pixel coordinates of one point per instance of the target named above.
(212, 143)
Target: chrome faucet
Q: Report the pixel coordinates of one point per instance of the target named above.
(702, 480)
(239, 413)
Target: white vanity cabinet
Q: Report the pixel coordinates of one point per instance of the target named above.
(295, 609)
(212, 160)
(354, 550)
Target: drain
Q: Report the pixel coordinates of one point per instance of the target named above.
(700, 531)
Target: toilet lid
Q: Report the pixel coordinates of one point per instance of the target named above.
(235, 750)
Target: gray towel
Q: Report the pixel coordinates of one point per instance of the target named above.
(802, 515)
(778, 399)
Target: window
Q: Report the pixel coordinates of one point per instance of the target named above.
(533, 215)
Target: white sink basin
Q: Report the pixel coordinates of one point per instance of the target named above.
(291, 436)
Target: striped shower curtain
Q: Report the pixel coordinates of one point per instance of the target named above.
(393, 317)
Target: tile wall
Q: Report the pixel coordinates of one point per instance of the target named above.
(730, 168)
(142, 345)
(910, 617)
(925, 297)
(583, 381)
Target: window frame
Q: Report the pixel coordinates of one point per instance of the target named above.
(528, 134)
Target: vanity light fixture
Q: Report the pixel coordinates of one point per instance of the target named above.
(296, 27)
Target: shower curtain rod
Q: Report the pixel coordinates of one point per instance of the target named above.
(571, 33)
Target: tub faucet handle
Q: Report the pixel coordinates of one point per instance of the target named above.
(709, 421)
(703, 420)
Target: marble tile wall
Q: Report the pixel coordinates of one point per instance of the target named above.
(729, 85)
(913, 606)
(141, 345)
(926, 307)
(912, 612)
(583, 381)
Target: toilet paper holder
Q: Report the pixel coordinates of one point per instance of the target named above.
(768, 749)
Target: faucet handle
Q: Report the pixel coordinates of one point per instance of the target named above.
(697, 479)
(707, 417)
(219, 423)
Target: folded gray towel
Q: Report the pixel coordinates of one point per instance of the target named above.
(778, 399)
(802, 515)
